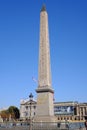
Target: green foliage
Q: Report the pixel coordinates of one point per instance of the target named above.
(14, 112)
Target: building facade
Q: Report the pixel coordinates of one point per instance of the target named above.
(25, 109)
(70, 110)
(62, 110)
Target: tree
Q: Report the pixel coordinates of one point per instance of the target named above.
(4, 114)
(14, 112)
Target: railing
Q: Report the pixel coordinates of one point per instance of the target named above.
(42, 126)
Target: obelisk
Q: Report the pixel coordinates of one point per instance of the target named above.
(45, 108)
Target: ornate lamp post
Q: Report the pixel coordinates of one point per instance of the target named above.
(31, 100)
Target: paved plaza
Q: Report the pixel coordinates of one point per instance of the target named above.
(27, 128)
(43, 126)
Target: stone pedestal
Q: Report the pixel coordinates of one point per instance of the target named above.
(45, 108)
(45, 119)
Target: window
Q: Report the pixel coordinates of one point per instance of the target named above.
(34, 113)
(26, 107)
(34, 107)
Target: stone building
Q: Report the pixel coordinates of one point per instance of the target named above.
(62, 110)
(25, 109)
(70, 110)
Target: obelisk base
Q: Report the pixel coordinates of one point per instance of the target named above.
(45, 119)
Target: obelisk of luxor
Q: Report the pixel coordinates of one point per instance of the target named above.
(45, 109)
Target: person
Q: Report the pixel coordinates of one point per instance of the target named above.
(58, 125)
(86, 124)
(67, 124)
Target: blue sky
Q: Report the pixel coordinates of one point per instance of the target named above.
(19, 46)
